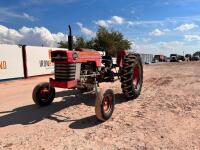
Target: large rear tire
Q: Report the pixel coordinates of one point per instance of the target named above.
(104, 105)
(132, 76)
(43, 94)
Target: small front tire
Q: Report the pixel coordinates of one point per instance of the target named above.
(104, 105)
(43, 94)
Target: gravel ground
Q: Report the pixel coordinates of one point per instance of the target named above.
(165, 116)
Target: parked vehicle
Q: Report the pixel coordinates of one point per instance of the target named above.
(168, 59)
(159, 58)
(173, 57)
(181, 58)
(196, 56)
(188, 57)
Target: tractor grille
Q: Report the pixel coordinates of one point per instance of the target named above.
(65, 71)
(58, 56)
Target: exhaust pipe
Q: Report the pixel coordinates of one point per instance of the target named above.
(70, 39)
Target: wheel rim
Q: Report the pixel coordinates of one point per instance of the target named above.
(44, 94)
(136, 76)
(107, 103)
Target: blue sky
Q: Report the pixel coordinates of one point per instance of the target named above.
(153, 26)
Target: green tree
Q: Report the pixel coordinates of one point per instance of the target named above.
(80, 42)
(63, 44)
(108, 41)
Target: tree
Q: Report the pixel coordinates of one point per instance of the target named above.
(110, 42)
(63, 44)
(80, 42)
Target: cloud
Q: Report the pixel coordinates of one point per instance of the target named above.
(133, 45)
(130, 23)
(184, 2)
(7, 13)
(192, 37)
(41, 36)
(31, 36)
(114, 20)
(157, 32)
(102, 23)
(29, 17)
(85, 30)
(186, 27)
(165, 48)
(166, 30)
(117, 20)
(163, 22)
(9, 36)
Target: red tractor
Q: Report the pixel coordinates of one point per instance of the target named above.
(84, 69)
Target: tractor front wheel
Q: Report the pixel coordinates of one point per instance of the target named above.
(104, 105)
(43, 94)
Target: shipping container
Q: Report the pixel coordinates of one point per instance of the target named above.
(11, 62)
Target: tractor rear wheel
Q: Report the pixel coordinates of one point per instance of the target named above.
(104, 105)
(132, 76)
(43, 94)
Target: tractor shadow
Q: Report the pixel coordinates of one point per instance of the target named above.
(31, 114)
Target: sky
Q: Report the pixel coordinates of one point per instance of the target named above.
(153, 26)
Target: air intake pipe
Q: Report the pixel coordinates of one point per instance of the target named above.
(70, 39)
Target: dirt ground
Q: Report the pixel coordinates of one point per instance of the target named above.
(165, 116)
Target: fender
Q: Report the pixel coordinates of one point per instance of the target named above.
(120, 56)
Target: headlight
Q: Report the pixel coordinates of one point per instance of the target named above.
(75, 55)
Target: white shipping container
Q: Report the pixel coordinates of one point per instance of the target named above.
(11, 62)
(146, 58)
(38, 60)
